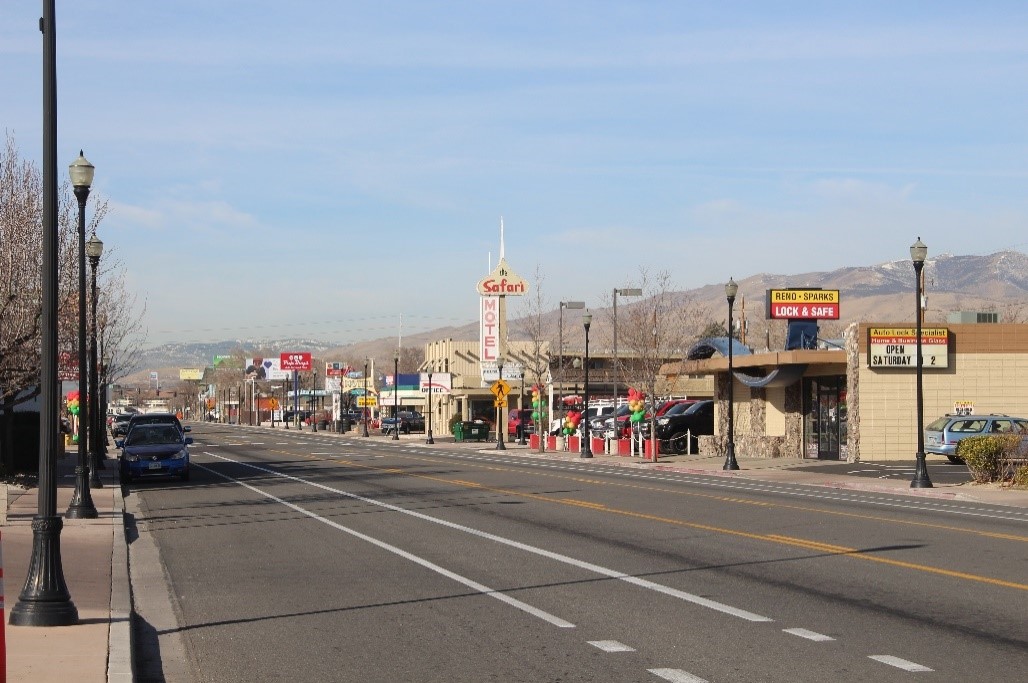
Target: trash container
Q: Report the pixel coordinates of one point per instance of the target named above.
(346, 424)
(458, 431)
(478, 431)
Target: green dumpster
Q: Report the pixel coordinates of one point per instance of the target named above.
(477, 431)
(458, 431)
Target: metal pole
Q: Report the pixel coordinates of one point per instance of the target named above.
(396, 396)
(44, 600)
(730, 463)
(587, 451)
(81, 506)
(521, 411)
(364, 411)
(921, 479)
(430, 440)
(96, 428)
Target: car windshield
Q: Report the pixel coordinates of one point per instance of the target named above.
(153, 435)
(938, 425)
(678, 408)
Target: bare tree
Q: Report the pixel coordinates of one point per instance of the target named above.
(532, 325)
(652, 332)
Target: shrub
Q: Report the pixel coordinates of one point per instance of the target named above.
(1020, 479)
(982, 455)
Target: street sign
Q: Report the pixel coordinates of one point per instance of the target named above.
(500, 388)
(500, 402)
(367, 401)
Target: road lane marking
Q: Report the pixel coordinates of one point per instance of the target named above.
(581, 564)
(676, 676)
(809, 635)
(470, 583)
(899, 663)
(611, 646)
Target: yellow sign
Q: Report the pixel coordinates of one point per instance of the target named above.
(500, 388)
(803, 296)
(367, 401)
(500, 402)
(896, 347)
(190, 374)
(273, 404)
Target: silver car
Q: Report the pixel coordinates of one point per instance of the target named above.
(942, 435)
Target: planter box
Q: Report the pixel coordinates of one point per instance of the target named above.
(648, 448)
(624, 447)
(551, 443)
(598, 445)
(574, 444)
(533, 441)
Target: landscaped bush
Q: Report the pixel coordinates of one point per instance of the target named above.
(1020, 479)
(981, 454)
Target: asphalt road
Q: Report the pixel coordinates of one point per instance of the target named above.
(939, 471)
(294, 556)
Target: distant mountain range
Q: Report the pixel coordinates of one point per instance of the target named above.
(882, 293)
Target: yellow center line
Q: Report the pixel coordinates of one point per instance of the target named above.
(816, 546)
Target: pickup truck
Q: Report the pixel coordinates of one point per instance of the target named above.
(405, 422)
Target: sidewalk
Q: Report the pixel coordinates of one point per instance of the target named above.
(94, 556)
(94, 552)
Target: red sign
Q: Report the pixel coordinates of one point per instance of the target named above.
(67, 366)
(295, 361)
(821, 311)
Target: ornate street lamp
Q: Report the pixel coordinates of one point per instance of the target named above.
(314, 402)
(94, 249)
(396, 396)
(918, 253)
(731, 289)
(500, 446)
(429, 440)
(44, 599)
(364, 411)
(521, 411)
(587, 451)
(81, 506)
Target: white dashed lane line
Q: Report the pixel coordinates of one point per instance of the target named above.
(809, 635)
(676, 676)
(899, 663)
(611, 646)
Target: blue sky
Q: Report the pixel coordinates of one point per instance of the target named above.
(320, 169)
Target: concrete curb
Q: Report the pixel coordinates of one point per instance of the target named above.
(119, 642)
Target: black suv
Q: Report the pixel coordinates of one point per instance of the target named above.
(405, 421)
(678, 430)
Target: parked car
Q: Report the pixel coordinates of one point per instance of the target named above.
(405, 422)
(679, 428)
(519, 417)
(154, 418)
(154, 450)
(119, 424)
(942, 435)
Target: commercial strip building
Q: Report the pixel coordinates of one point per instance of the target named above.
(859, 402)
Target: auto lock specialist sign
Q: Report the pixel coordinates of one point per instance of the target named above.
(896, 347)
(798, 304)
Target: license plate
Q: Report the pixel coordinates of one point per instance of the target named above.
(154, 466)
(933, 439)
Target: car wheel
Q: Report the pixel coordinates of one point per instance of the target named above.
(955, 460)
(680, 443)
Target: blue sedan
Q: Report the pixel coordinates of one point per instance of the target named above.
(154, 450)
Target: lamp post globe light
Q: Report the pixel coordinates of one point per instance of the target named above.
(731, 289)
(396, 396)
(81, 506)
(918, 253)
(44, 599)
(587, 451)
(364, 410)
(430, 440)
(94, 250)
(500, 446)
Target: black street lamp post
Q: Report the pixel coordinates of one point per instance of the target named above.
(730, 463)
(364, 410)
(521, 411)
(918, 253)
(81, 506)
(500, 446)
(44, 599)
(430, 440)
(396, 397)
(587, 451)
(94, 249)
(314, 402)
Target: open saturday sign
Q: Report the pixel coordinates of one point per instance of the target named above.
(896, 347)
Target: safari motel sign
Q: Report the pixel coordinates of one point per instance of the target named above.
(502, 282)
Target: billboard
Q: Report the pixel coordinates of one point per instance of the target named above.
(265, 368)
(190, 374)
(896, 347)
(810, 304)
(295, 361)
